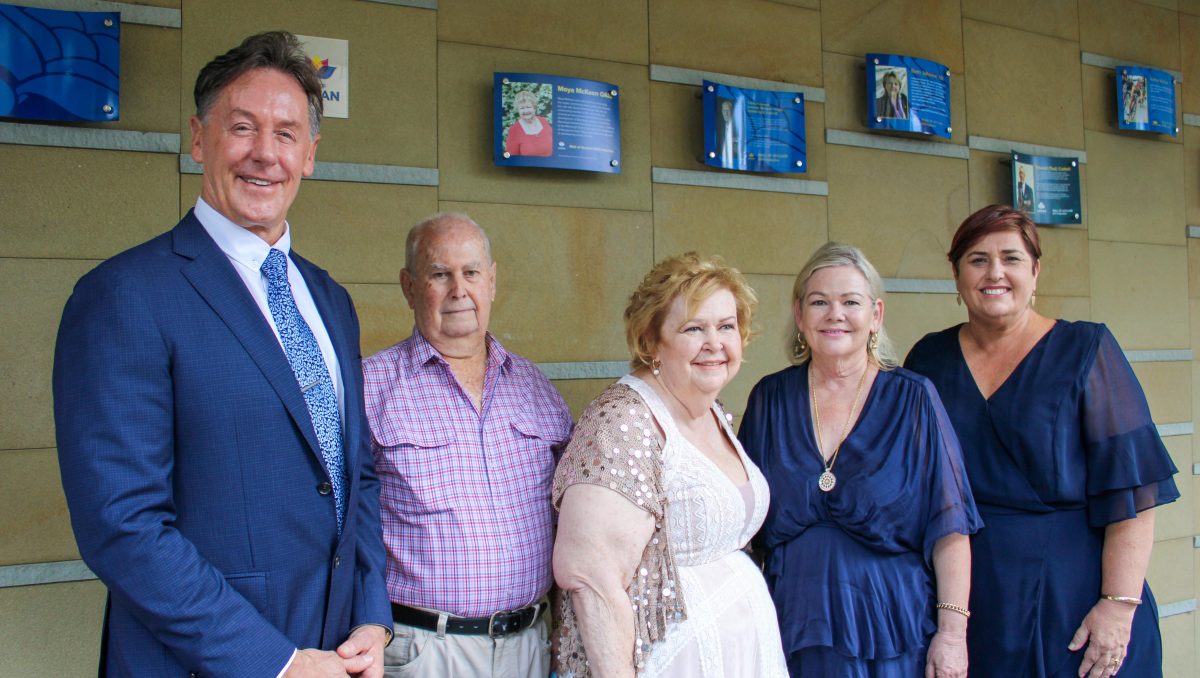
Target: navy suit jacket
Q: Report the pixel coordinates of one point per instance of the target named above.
(193, 473)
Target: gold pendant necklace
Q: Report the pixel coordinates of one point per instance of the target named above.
(827, 481)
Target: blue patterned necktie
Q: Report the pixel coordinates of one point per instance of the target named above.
(304, 354)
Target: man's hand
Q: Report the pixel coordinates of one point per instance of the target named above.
(317, 664)
(363, 651)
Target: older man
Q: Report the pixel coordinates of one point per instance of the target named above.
(465, 438)
(211, 432)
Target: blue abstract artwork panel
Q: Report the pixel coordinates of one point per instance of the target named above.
(59, 65)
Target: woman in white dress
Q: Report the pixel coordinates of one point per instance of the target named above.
(657, 499)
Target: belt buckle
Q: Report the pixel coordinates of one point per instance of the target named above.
(492, 623)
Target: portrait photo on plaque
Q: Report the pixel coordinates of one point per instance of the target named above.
(555, 121)
(753, 130)
(908, 94)
(1046, 188)
(59, 65)
(1146, 100)
(1023, 195)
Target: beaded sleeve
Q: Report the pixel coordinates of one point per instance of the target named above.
(617, 445)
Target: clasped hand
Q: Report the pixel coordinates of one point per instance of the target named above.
(361, 655)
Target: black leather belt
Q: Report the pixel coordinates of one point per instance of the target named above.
(498, 625)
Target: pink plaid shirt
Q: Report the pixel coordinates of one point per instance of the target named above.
(464, 497)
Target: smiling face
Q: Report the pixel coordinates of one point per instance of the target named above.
(701, 354)
(997, 276)
(450, 286)
(255, 145)
(837, 314)
(526, 105)
(891, 85)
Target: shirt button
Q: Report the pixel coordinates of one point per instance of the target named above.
(324, 488)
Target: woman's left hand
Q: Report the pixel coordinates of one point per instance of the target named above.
(1105, 630)
(947, 656)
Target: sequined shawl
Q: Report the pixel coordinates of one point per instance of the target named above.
(617, 445)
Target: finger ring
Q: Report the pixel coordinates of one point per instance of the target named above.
(1115, 662)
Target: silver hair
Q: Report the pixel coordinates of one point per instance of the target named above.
(833, 254)
(412, 244)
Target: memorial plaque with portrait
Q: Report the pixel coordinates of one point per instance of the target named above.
(1046, 188)
(554, 121)
(907, 94)
(753, 130)
(1146, 100)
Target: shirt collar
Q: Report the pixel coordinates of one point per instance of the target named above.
(236, 242)
(423, 352)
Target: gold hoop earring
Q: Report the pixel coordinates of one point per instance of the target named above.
(1033, 299)
(801, 345)
(958, 299)
(873, 343)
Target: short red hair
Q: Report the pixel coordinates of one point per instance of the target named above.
(989, 220)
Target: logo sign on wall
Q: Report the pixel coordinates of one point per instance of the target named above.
(1046, 188)
(553, 121)
(754, 130)
(331, 58)
(59, 65)
(1146, 100)
(908, 94)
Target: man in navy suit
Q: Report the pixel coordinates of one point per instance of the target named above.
(208, 401)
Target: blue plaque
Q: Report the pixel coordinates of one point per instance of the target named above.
(552, 121)
(59, 65)
(754, 130)
(908, 94)
(1046, 188)
(1146, 100)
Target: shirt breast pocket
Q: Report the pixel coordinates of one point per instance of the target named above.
(418, 470)
(538, 439)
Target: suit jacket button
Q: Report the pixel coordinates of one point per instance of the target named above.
(337, 560)
(324, 488)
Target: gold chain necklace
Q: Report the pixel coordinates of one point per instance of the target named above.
(827, 481)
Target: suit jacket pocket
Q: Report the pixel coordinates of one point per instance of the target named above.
(252, 586)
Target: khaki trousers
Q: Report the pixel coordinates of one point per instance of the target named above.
(418, 653)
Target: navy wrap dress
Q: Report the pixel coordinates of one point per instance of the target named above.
(851, 570)
(1063, 448)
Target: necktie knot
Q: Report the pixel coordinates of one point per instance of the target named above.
(274, 267)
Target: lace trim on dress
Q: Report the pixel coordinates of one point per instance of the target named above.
(617, 445)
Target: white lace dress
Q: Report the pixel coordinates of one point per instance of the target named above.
(731, 628)
(714, 617)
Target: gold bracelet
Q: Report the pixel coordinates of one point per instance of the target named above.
(1122, 599)
(954, 608)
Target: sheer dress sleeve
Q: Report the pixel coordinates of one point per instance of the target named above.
(617, 445)
(1128, 467)
(951, 506)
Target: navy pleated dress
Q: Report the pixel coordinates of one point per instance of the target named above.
(1063, 448)
(850, 570)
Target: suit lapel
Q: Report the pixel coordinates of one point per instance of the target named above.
(213, 277)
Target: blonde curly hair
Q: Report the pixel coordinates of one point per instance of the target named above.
(693, 277)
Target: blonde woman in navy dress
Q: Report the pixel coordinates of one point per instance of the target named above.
(1064, 461)
(867, 556)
